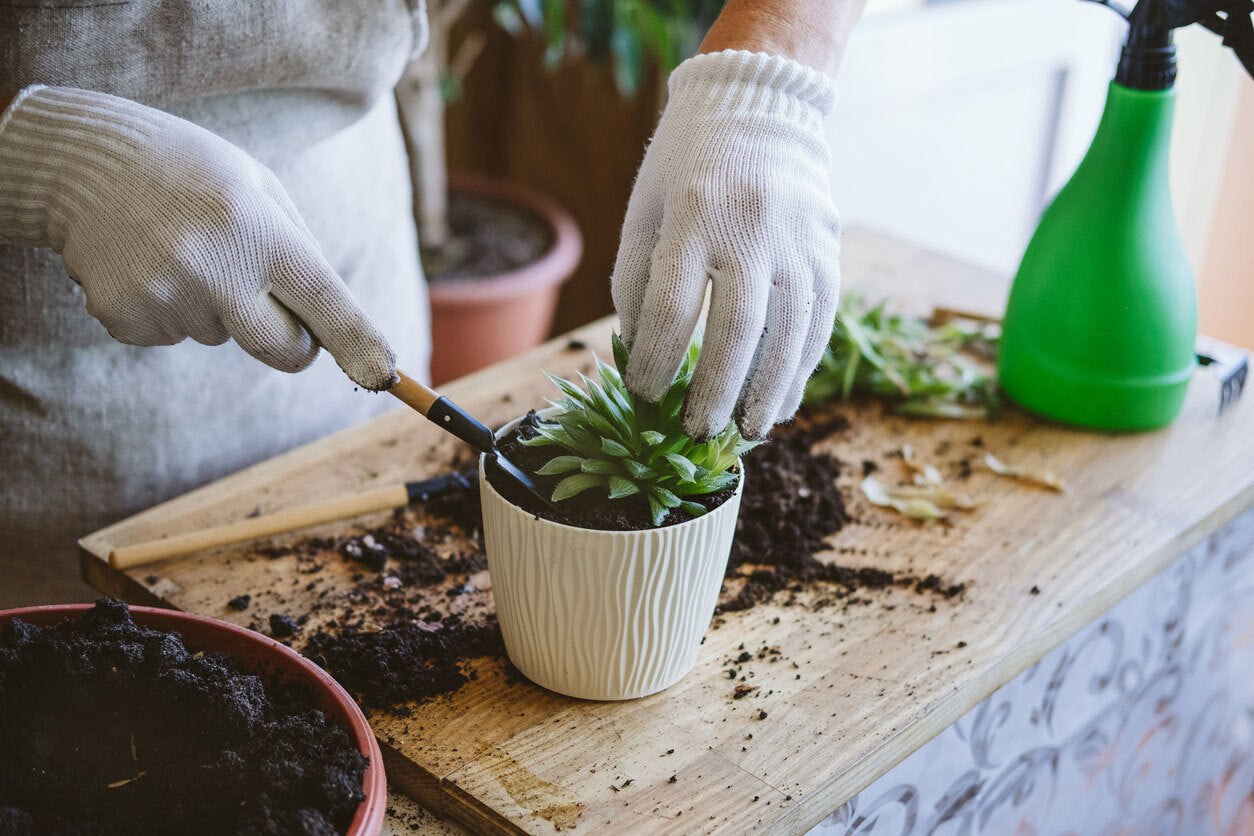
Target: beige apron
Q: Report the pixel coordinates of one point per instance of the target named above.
(92, 430)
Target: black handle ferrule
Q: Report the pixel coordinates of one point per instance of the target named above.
(460, 423)
(426, 489)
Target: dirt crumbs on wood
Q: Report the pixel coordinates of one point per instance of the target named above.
(406, 660)
(107, 727)
(419, 612)
(791, 505)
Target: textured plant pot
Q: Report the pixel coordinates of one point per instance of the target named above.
(268, 659)
(479, 321)
(604, 615)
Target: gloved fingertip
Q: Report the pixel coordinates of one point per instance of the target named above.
(699, 422)
(375, 381)
(752, 426)
(374, 371)
(645, 380)
(789, 412)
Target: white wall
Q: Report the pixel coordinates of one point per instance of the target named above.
(958, 120)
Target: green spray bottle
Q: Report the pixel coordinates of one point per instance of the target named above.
(1102, 318)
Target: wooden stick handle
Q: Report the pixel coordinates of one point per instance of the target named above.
(442, 412)
(125, 557)
(413, 393)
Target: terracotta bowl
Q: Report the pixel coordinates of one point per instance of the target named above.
(267, 659)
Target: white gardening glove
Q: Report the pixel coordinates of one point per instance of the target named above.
(733, 191)
(174, 232)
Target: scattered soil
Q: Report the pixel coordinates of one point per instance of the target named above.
(407, 628)
(489, 237)
(589, 509)
(420, 610)
(407, 660)
(107, 727)
(791, 505)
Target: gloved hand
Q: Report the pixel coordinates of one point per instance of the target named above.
(733, 190)
(174, 232)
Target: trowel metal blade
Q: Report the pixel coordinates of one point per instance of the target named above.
(517, 474)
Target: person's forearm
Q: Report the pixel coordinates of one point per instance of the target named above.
(813, 32)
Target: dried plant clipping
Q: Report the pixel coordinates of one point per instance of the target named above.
(919, 502)
(927, 498)
(1042, 479)
(923, 473)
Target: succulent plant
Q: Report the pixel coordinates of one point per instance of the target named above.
(631, 448)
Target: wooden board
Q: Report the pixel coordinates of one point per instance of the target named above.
(860, 687)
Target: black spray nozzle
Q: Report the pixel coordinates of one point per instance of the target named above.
(1148, 61)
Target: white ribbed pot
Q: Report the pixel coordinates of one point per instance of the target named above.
(604, 615)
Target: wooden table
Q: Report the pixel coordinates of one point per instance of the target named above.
(863, 687)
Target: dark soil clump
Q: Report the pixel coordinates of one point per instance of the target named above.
(791, 505)
(283, 626)
(590, 509)
(108, 727)
(407, 661)
(489, 238)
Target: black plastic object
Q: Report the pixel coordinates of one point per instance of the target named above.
(1148, 61)
(469, 429)
(427, 489)
(1232, 367)
(462, 424)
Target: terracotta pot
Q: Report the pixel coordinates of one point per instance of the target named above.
(604, 615)
(269, 660)
(480, 321)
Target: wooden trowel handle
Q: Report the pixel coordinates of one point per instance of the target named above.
(279, 522)
(441, 411)
(413, 393)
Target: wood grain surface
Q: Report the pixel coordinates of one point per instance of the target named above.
(858, 685)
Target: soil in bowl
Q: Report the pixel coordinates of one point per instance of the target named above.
(489, 237)
(109, 727)
(590, 509)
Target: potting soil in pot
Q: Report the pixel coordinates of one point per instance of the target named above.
(108, 727)
(590, 509)
(489, 237)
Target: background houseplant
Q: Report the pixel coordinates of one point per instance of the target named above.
(615, 53)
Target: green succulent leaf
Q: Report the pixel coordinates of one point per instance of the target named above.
(620, 487)
(696, 509)
(560, 464)
(657, 511)
(620, 354)
(575, 485)
(568, 388)
(613, 448)
(664, 496)
(634, 451)
(683, 467)
(639, 471)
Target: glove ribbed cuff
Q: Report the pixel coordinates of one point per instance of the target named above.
(735, 80)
